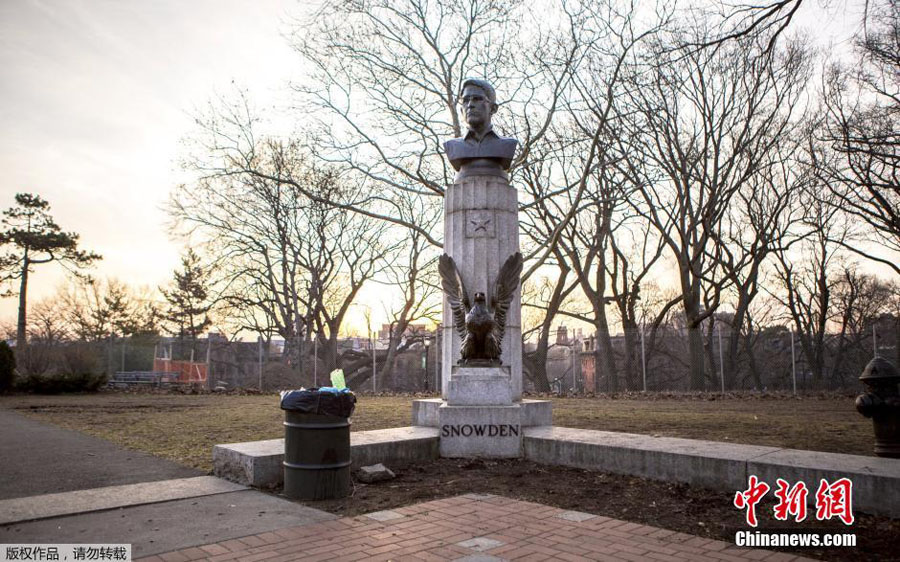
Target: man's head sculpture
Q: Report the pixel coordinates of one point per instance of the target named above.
(480, 151)
(479, 102)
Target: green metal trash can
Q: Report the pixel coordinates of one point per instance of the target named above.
(316, 455)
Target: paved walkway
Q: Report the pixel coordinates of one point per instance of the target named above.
(64, 487)
(39, 458)
(473, 528)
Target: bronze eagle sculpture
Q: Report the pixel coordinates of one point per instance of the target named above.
(480, 325)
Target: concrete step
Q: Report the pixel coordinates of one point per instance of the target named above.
(710, 464)
(716, 465)
(258, 463)
(111, 497)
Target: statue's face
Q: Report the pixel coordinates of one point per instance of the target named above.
(477, 107)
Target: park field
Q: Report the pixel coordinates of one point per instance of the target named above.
(184, 428)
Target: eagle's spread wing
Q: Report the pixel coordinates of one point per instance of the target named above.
(506, 284)
(452, 284)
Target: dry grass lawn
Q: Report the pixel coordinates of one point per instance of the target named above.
(184, 428)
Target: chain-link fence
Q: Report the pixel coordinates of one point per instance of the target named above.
(772, 360)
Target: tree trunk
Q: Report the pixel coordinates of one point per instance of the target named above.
(734, 345)
(23, 287)
(695, 356)
(604, 360)
(535, 364)
(711, 347)
(328, 352)
(537, 360)
(631, 343)
(897, 340)
(751, 361)
(695, 339)
(387, 370)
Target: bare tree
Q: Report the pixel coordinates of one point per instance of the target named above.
(586, 242)
(860, 300)
(756, 226)
(570, 197)
(862, 101)
(806, 285)
(107, 310)
(46, 325)
(386, 85)
(290, 264)
(387, 77)
(738, 20)
(411, 268)
(548, 296)
(701, 125)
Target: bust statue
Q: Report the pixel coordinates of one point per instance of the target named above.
(481, 151)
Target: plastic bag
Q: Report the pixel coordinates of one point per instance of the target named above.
(326, 401)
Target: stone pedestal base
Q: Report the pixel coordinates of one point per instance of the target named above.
(425, 412)
(480, 431)
(479, 386)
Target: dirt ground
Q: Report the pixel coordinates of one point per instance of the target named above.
(184, 428)
(676, 507)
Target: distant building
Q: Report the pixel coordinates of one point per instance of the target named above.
(562, 335)
(412, 330)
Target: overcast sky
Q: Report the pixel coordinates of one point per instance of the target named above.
(95, 96)
(94, 99)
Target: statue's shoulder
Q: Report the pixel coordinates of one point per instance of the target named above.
(507, 146)
(454, 145)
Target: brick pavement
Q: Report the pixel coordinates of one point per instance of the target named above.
(473, 528)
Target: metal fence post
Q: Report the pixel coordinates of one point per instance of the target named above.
(643, 358)
(721, 361)
(793, 362)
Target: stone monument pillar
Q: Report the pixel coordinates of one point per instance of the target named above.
(482, 413)
(481, 231)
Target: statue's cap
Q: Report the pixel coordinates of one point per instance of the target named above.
(484, 85)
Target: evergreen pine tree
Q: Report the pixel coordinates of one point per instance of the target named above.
(187, 314)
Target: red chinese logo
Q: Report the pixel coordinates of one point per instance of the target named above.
(791, 501)
(832, 500)
(750, 497)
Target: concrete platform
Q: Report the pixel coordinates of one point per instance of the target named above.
(876, 480)
(111, 497)
(710, 464)
(258, 463)
(479, 386)
(701, 463)
(425, 412)
(171, 525)
(721, 466)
